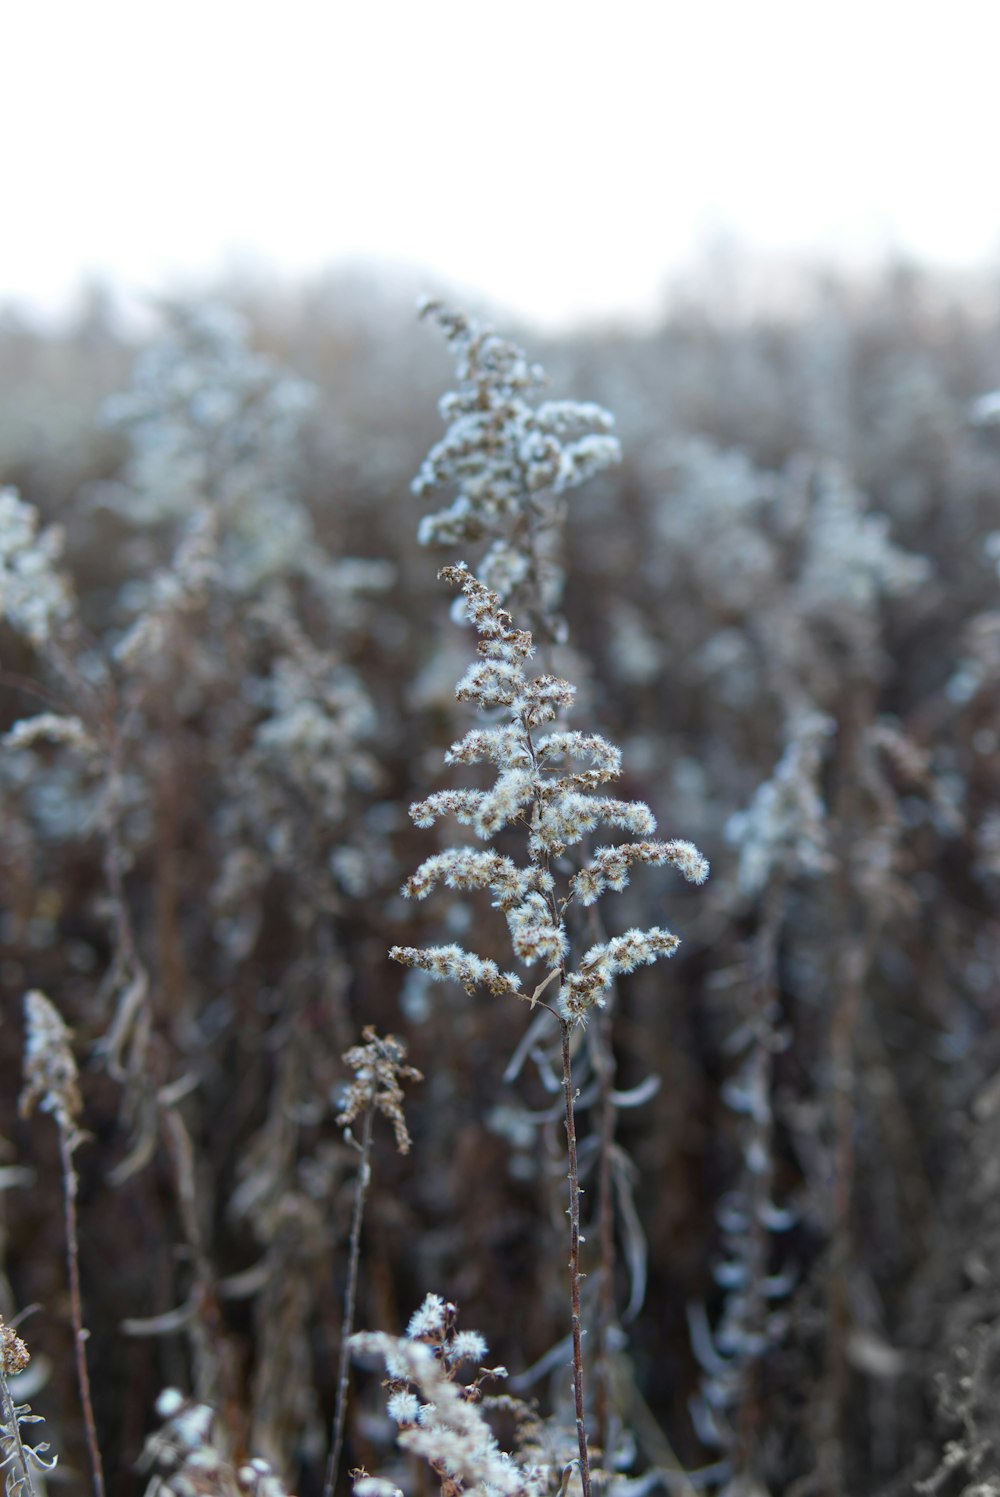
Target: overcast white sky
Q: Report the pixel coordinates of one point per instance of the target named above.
(563, 156)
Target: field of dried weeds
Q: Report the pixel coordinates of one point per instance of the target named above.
(739, 579)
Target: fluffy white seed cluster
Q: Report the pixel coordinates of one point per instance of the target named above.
(443, 962)
(34, 598)
(549, 785)
(501, 451)
(440, 1419)
(609, 867)
(603, 963)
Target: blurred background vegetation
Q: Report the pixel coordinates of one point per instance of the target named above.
(784, 605)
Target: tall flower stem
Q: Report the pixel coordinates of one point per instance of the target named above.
(51, 1081)
(350, 1298)
(378, 1071)
(70, 1186)
(604, 1064)
(574, 1258)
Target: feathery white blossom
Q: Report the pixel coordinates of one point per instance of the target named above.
(430, 1321)
(508, 457)
(471, 971)
(540, 786)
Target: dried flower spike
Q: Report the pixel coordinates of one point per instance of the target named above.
(50, 1073)
(378, 1067)
(509, 459)
(14, 1355)
(549, 783)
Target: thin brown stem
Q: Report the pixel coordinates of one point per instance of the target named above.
(76, 1308)
(574, 1259)
(211, 1355)
(350, 1299)
(605, 1066)
(759, 1188)
(603, 1057)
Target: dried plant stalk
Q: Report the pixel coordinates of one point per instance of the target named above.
(378, 1069)
(51, 1081)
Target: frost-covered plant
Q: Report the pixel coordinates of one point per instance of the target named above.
(38, 603)
(783, 831)
(204, 658)
(510, 458)
(851, 561)
(744, 583)
(85, 790)
(18, 1457)
(751, 1321)
(782, 837)
(557, 806)
(34, 597)
(186, 1456)
(215, 430)
(215, 427)
(224, 760)
(440, 1419)
(548, 783)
